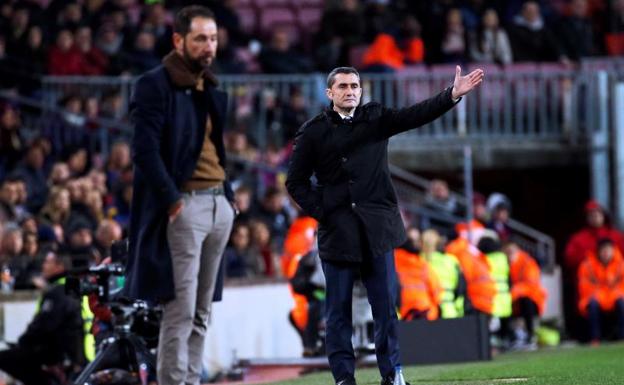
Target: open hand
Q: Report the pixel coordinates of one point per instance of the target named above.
(464, 84)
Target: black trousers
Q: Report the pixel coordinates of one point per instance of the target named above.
(379, 277)
(25, 365)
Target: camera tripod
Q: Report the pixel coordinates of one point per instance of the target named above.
(123, 350)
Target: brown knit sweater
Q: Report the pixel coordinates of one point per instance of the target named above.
(208, 172)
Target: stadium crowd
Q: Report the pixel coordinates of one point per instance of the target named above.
(60, 191)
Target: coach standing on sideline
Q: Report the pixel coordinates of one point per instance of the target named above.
(346, 147)
(181, 212)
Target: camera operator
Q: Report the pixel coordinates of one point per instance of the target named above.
(55, 334)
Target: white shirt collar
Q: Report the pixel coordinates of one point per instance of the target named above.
(345, 116)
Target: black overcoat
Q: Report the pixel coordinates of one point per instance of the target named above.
(354, 199)
(169, 127)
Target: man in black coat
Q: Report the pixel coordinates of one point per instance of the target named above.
(54, 335)
(345, 147)
(181, 213)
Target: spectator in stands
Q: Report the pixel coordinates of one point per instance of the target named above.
(227, 17)
(479, 209)
(12, 243)
(26, 267)
(336, 37)
(490, 43)
(616, 16)
(243, 197)
(379, 17)
(294, 115)
(59, 175)
(280, 58)
(454, 41)
(584, 241)
(57, 208)
(531, 40)
(143, 56)
(31, 171)
(576, 32)
(601, 289)
(273, 212)
(53, 336)
(226, 61)
(79, 243)
(499, 221)
(11, 142)
(110, 41)
(70, 17)
(410, 40)
(118, 161)
(31, 59)
(94, 61)
(261, 247)
(66, 128)
(527, 293)
(64, 58)
(240, 262)
(9, 197)
(77, 161)
(440, 209)
(107, 233)
(156, 21)
(17, 31)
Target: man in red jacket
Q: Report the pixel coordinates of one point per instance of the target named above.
(579, 246)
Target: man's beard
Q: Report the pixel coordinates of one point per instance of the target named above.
(196, 65)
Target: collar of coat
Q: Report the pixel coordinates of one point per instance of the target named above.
(181, 74)
(332, 115)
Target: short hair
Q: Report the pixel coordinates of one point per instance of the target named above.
(185, 16)
(331, 78)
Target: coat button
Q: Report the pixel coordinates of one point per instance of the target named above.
(353, 205)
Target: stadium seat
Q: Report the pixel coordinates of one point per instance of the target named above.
(310, 18)
(269, 17)
(522, 67)
(615, 44)
(248, 19)
(263, 4)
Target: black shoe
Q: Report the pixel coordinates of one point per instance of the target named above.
(350, 381)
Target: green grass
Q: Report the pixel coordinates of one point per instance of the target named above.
(602, 365)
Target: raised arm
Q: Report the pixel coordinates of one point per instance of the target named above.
(395, 121)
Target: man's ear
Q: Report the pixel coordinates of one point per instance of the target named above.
(329, 93)
(178, 41)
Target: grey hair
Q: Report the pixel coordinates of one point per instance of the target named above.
(331, 78)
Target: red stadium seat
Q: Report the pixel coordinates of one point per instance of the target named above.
(615, 44)
(269, 17)
(263, 4)
(248, 19)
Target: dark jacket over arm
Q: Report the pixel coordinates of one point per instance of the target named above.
(354, 199)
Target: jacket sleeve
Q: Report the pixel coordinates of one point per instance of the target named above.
(299, 172)
(148, 117)
(395, 121)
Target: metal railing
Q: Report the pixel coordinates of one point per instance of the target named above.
(412, 190)
(543, 103)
